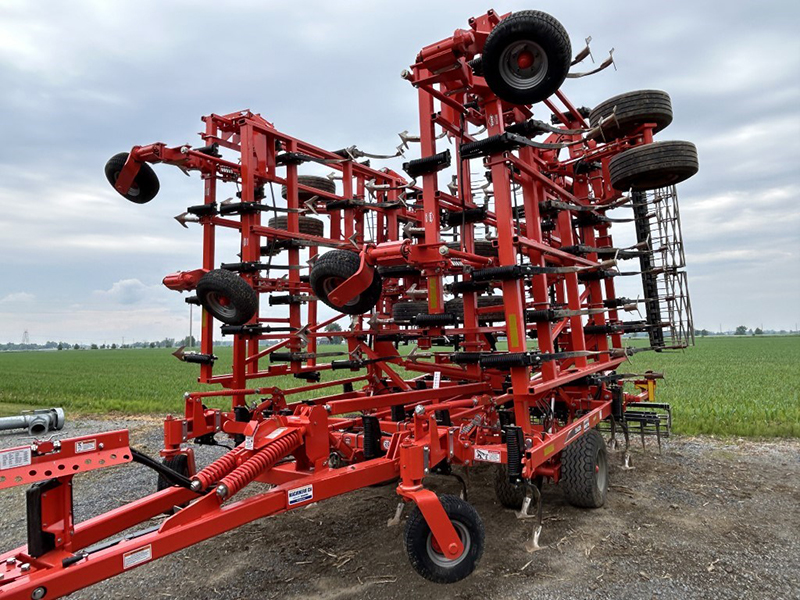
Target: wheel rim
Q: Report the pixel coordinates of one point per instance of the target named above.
(331, 283)
(601, 471)
(220, 305)
(438, 558)
(133, 190)
(523, 65)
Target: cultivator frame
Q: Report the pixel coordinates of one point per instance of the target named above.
(522, 408)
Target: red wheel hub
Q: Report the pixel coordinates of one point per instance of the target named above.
(524, 59)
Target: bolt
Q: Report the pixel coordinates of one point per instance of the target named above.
(39, 593)
(186, 395)
(222, 491)
(405, 74)
(196, 486)
(419, 410)
(100, 446)
(25, 567)
(184, 150)
(327, 407)
(11, 561)
(453, 548)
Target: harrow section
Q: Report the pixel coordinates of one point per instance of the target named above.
(475, 294)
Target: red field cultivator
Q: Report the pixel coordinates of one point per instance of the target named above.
(501, 283)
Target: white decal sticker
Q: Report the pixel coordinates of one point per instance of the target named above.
(386, 444)
(248, 442)
(136, 557)
(21, 457)
(273, 434)
(301, 494)
(487, 455)
(437, 379)
(85, 446)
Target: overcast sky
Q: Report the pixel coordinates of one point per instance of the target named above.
(81, 81)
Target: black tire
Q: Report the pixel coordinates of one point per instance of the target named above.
(653, 166)
(545, 43)
(632, 110)
(228, 297)
(178, 463)
(404, 312)
(318, 183)
(482, 248)
(584, 471)
(332, 269)
(509, 494)
(145, 185)
(456, 307)
(422, 554)
(308, 225)
(399, 271)
(476, 64)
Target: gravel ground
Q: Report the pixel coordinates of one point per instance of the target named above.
(706, 519)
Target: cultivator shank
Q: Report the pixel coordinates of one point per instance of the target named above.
(491, 257)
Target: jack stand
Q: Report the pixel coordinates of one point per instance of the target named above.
(532, 494)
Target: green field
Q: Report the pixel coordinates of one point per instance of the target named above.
(735, 386)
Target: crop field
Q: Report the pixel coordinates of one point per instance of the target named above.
(732, 386)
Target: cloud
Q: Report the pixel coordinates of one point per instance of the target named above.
(129, 291)
(17, 297)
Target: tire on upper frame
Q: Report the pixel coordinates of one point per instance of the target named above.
(145, 185)
(228, 297)
(631, 110)
(527, 35)
(653, 166)
(334, 268)
(314, 181)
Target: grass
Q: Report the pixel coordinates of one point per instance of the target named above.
(725, 386)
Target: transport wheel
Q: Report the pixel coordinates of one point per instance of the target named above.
(653, 166)
(482, 248)
(424, 554)
(332, 269)
(510, 494)
(179, 463)
(318, 183)
(145, 185)
(526, 57)
(632, 110)
(228, 297)
(456, 307)
(404, 312)
(584, 471)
